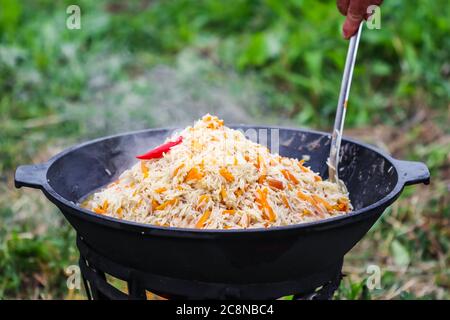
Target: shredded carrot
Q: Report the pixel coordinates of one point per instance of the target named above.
(305, 169)
(303, 196)
(277, 184)
(292, 178)
(161, 190)
(155, 204)
(201, 222)
(119, 213)
(285, 201)
(262, 179)
(260, 198)
(238, 193)
(223, 193)
(341, 205)
(193, 174)
(228, 211)
(166, 204)
(309, 199)
(269, 213)
(247, 158)
(300, 165)
(226, 174)
(175, 172)
(317, 178)
(203, 197)
(138, 204)
(202, 200)
(99, 210)
(202, 165)
(285, 174)
(289, 176)
(323, 202)
(259, 161)
(263, 171)
(102, 209)
(264, 206)
(214, 123)
(144, 169)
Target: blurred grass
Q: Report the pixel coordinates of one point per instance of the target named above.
(58, 86)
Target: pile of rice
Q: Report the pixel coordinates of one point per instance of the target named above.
(218, 179)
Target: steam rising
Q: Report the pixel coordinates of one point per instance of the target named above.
(166, 96)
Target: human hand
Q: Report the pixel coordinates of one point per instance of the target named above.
(355, 11)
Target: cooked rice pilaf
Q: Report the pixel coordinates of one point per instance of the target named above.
(218, 179)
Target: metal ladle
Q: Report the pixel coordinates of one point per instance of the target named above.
(336, 135)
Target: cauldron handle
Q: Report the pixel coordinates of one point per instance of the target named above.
(33, 176)
(413, 172)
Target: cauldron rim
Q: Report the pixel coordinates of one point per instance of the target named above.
(406, 174)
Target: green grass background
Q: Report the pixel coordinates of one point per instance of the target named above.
(139, 64)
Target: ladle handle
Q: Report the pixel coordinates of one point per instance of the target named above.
(336, 135)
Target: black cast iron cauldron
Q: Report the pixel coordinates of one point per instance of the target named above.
(238, 257)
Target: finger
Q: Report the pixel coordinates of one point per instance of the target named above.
(355, 14)
(342, 6)
(357, 9)
(350, 27)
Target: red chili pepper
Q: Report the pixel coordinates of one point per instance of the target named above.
(159, 151)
